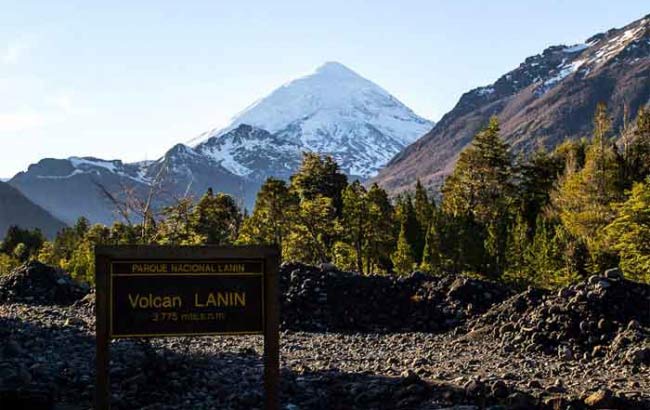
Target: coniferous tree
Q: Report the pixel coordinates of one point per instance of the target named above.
(31, 241)
(403, 260)
(481, 183)
(320, 176)
(81, 226)
(544, 255)
(571, 155)
(316, 223)
(517, 249)
(273, 215)
(7, 263)
(424, 208)
(584, 197)
(462, 243)
(424, 205)
(426, 265)
(177, 226)
(217, 218)
(431, 255)
(575, 255)
(637, 150)
(537, 177)
(481, 187)
(629, 232)
(381, 236)
(355, 220)
(409, 221)
(20, 252)
(554, 257)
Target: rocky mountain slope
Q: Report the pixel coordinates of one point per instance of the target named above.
(332, 111)
(70, 188)
(550, 96)
(74, 187)
(16, 209)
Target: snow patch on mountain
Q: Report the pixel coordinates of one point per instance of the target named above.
(564, 71)
(485, 90)
(86, 163)
(90, 165)
(73, 173)
(615, 45)
(597, 51)
(576, 48)
(252, 152)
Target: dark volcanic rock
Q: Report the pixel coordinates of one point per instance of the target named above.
(37, 283)
(47, 356)
(316, 299)
(604, 317)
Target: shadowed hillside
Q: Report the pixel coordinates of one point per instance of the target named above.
(16, 209)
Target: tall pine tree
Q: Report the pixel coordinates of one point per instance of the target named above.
(482, 188)
(273, 217)
(403, 260)
(320, 176)
(629, 232)
(217, 218)
(381, 230)
(408, 219)
(584, 197)
(355, 222)
(637, 149)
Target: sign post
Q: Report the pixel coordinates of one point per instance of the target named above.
(159, 291)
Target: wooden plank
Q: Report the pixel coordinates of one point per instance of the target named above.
(102, 386)
(185, 252)
(272, 332)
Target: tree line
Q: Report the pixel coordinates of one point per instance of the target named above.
(545, 219)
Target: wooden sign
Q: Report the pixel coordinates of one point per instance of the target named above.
(158, 291)
(176, 297)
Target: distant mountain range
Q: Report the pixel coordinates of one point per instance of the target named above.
(549, 97)
(333, 111)
(16, 209)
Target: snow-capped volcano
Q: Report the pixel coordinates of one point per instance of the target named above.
(332, 111)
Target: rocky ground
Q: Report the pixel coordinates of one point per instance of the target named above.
(326, 299)
(47, 354)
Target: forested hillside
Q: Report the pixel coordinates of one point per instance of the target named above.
(547, 219)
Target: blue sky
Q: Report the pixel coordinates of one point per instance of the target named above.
(128, 79)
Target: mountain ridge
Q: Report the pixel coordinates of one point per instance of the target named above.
(549, 96)
(16, 209)
(350, 118)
